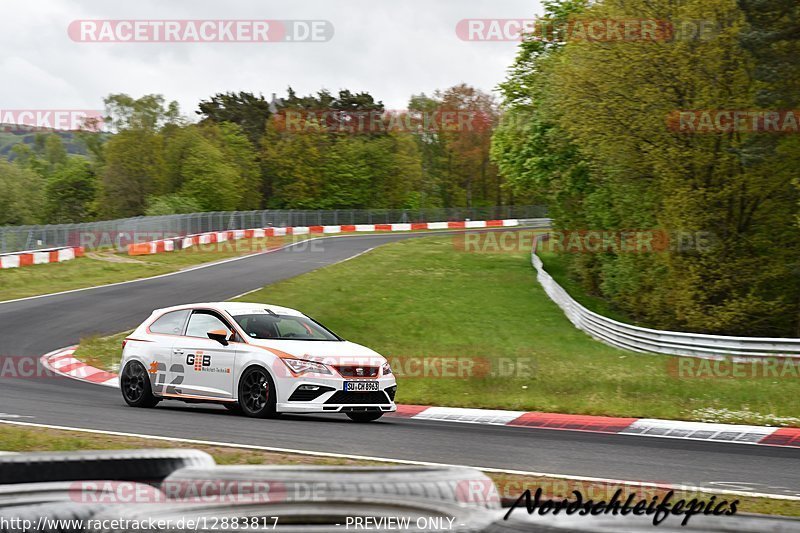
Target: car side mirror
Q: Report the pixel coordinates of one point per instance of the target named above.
(219, 335)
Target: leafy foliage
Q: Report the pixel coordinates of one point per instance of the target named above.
(587, 127)
(21, 201)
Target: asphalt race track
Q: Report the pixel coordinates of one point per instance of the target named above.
(33, 327)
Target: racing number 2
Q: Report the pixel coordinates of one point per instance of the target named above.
(161, 377)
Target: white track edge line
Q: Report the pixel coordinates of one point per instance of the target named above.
(684, 488)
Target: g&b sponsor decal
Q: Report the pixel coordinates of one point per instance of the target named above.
(201, 362)
(198, 360)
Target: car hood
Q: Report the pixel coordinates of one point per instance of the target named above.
(329, 352)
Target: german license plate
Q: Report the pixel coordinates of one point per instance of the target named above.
(361, 386)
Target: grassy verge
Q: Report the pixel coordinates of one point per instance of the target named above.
(109, 267)
(22, 439)
(102, 352)
(476, 330)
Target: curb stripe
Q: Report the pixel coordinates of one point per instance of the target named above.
(408, 411)
(40, 257)
(187, 241)
(69, 368)
(597, 424)
(783, 437)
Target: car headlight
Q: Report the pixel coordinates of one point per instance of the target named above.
(387, 369)
(301, 366)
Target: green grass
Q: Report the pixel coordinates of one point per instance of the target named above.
(87, 272)
(22, 439)
(102, 352)
(422, 298)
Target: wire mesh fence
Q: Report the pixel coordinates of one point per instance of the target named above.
(119, 233)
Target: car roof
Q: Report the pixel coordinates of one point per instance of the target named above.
(236, 308)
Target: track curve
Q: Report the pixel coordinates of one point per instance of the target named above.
(32, 327)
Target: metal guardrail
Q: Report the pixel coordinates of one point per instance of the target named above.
(120, 233)
(639, 339)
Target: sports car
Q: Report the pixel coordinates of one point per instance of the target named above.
(259, 359)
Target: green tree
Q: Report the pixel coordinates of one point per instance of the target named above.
(209, 179)
(455, 146)
(150, 112)
(534, 156)
(246, 110)
(172, 204)
(617, 165)
(70, 192)
(326, 165)
(22, 198)
(133, 170)
(242, 155)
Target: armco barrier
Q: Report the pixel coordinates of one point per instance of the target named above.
(641, 339)
(179, 243)
(39, 257)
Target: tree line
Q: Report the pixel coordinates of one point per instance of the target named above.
(590, 124)
(242, 154)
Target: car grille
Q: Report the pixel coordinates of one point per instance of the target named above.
(351, 371)
(307, 395)
(371, 398)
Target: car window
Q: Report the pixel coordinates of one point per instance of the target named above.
(201, 322)
(292, 328)
(170, 323)
(283, 327)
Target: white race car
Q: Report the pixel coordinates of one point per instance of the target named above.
(257, 358)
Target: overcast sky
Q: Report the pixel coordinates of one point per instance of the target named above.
(391, 48)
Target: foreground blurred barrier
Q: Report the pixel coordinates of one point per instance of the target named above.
(641, 339)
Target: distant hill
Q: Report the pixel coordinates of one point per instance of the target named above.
(14, 134)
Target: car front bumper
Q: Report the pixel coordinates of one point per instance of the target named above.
(330, 397)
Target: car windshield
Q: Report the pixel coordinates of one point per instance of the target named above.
(283, 327)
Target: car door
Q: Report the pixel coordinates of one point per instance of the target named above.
(202, 366)
(162, 335)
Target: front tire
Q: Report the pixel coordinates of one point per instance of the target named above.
(364, 416)
(257, 395)
(135, 386)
